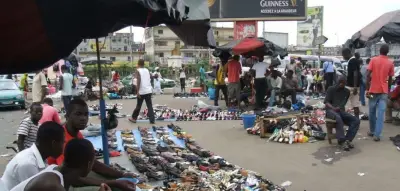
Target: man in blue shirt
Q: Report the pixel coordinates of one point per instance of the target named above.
(329, 74)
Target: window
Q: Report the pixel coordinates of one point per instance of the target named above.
(160, 32)
(161, 43)
(129, 58)
(84, 40)
(112, 58)
(125, 48)
(216, 33)
(161, 55)
(177, 42)
(189, 54)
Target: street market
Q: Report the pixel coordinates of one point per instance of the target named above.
(241, 113)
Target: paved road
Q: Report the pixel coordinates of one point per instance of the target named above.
(302, 164)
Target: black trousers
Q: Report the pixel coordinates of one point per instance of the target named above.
(149, 104)
(329, 77)
(260, 84)
(182, 81)
(224, 89)
(291, 93)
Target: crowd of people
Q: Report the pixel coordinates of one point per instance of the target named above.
(372, 80)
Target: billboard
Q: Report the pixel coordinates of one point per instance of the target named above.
(244, 29)
(261, 10)
(280, 39)
(311, 28)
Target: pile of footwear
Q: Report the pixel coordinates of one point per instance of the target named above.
(190, 115)
(202, 170)
(189, 95)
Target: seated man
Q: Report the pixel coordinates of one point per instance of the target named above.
(79, 159)
(276, 85)
(27, 130)
(29, 162)
(335, 102)
(77, 117)
(393, 102)
(289, 87)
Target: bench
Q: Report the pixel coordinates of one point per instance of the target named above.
(330, 125)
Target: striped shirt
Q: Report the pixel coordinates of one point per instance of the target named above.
(27, 128)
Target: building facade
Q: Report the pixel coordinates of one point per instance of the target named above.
(116, 47)
(161, 43)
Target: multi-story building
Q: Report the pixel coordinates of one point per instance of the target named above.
(116, 47)
(161, 43)
(373, 50)
(326, 50)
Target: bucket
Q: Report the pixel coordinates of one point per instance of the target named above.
(211, 93)
(248, 120)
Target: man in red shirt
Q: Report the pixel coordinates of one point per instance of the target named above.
(379, 79)
(77, 117)
(234, 69)
(49, 112)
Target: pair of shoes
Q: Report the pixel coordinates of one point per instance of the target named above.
(344, 146)
(377, 139)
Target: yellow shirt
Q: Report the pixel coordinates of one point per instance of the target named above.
(220, 77)
(318, 79)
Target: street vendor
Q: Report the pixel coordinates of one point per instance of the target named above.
(392, 103)
(335, 102)
(290, 87)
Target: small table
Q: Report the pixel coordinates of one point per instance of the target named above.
(265, 120)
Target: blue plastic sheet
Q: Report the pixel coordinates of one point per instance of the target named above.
(138, 137)
(97, 141)
(179, 142)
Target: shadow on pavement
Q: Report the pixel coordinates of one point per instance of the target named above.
(331, 154)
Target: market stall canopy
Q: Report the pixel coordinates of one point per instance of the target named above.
(386, 26)
(250, 47)
(35, 34)
(93, 61)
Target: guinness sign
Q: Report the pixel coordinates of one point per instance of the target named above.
(270, 10)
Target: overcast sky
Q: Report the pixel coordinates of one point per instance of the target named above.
(342, 18)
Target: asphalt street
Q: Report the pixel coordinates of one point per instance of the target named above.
(316, 166)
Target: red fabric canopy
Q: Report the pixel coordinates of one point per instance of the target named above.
(247, 45)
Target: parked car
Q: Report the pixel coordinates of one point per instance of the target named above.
(165, 83)
(10, 94)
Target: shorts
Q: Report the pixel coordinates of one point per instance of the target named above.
(234, 91)
(354, 99)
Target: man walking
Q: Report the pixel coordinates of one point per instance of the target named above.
(335, 102)
(353, 80)
(66, 85)
(220, 83)
(39, 85)
(379, 79)
(234, 69)
(144, 92)
(363, 81)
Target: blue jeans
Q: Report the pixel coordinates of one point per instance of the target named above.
(272, 98)
(362, 93)
(377, 107)
(343, 118)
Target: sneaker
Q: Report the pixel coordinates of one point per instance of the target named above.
(351, 146)
(377, 139)
(132, 120)
(370, 134)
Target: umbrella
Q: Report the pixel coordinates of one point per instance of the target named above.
(92, 61)
(386, 26)
(41, 32)
(250, 47)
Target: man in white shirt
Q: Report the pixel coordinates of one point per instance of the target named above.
(27, 163)
(66, 85)
(144, 93)
(39, 85)
(276, 84)
(260, 83)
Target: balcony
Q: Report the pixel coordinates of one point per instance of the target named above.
(165, 37)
